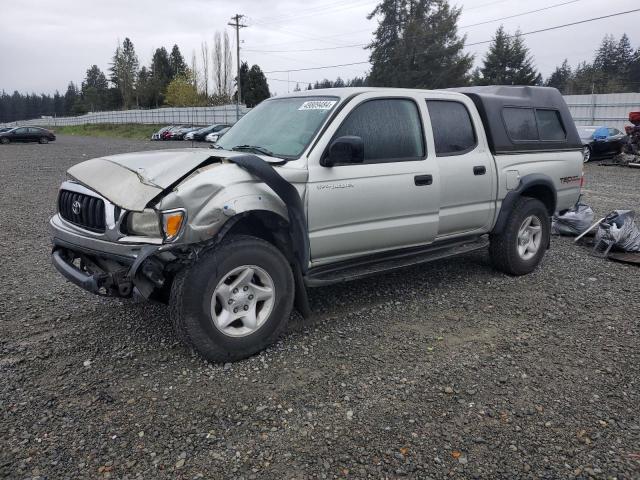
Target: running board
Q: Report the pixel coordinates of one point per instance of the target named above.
(373, 265)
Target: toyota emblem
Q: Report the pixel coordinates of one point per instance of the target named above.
(76, 207)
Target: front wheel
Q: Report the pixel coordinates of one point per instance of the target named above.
(43, 140)
(586, 153)
(234, 301)
(4, 140)
(520, 247)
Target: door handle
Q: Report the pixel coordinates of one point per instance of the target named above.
(480, 170)
(421, 180)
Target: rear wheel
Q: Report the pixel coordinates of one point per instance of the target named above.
(43, 140)
(520, 247)
(586, 153)
(235, 301)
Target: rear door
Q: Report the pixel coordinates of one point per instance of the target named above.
(35, 134)
(466, 167)
(388, 202)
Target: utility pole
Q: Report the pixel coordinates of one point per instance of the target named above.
(237, 25)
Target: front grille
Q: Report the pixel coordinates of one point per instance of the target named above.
(90, 210)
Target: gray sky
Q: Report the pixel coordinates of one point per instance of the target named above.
(46, 44)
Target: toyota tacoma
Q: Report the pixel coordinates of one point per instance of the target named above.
(316, 188)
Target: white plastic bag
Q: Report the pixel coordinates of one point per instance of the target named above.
(573, 221)
(620, 230)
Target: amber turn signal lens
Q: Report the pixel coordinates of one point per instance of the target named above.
(172, 223)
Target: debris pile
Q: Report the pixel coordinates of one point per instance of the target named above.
(617, 231)
(574, 221)
(630, 155)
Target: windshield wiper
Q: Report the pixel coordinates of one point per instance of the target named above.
(254, 148)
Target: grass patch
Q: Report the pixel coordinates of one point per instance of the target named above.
(127, 130)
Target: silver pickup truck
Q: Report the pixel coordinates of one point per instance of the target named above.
(314, 188)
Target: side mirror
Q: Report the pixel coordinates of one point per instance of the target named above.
(344, 150)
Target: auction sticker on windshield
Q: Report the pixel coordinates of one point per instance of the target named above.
(318, 105)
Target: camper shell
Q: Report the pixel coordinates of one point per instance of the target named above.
(524, 119)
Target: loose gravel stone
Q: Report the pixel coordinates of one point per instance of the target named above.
(514, 354)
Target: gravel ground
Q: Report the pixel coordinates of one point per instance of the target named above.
(445, 370)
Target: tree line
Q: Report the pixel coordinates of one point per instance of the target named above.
(168, 80)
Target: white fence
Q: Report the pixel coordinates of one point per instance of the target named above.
(611, 109)
(600, 109)
(158, 116)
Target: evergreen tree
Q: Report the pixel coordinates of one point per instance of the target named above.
(161, 75)
(244, 81)
(523, 70)
(177, 63)
(124, 68)
(95, 89)
(507, 62)
(606, 60)
(561, 77)
(58, 104)
(257, 88)
(144, 88)
(71, 98)
(417, 45)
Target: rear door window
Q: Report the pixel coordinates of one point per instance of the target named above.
(520, 123)
(549, 125)
(390, 128)
(452, 127)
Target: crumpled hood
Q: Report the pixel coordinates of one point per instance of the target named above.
(132, 180)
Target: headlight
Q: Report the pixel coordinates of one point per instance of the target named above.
(172, 222)
(145, 223)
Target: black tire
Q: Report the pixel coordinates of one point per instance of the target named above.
(43, 140)
(4, 140)
(587, 153)
(193, 288)
(503, 248)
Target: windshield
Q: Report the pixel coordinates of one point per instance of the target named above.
(283, 126)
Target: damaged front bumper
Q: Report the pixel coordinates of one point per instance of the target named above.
(108, 268)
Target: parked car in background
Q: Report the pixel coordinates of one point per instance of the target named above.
(158, 135)
(599, 140)
(179, 133)
(168, 133)
(200, 135)
(27, 134)
(215, 136)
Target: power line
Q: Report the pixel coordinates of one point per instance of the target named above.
(308, 49)
(560, 26)
(519, 14)
(317, 68)
(391, 25)
(522, 34)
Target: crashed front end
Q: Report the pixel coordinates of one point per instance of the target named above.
(114, 233)
(96, 244)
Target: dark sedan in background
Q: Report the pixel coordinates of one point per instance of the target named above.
(600, 141)
(200, 135)
(27, 134)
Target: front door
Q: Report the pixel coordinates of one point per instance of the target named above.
(388, 202)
